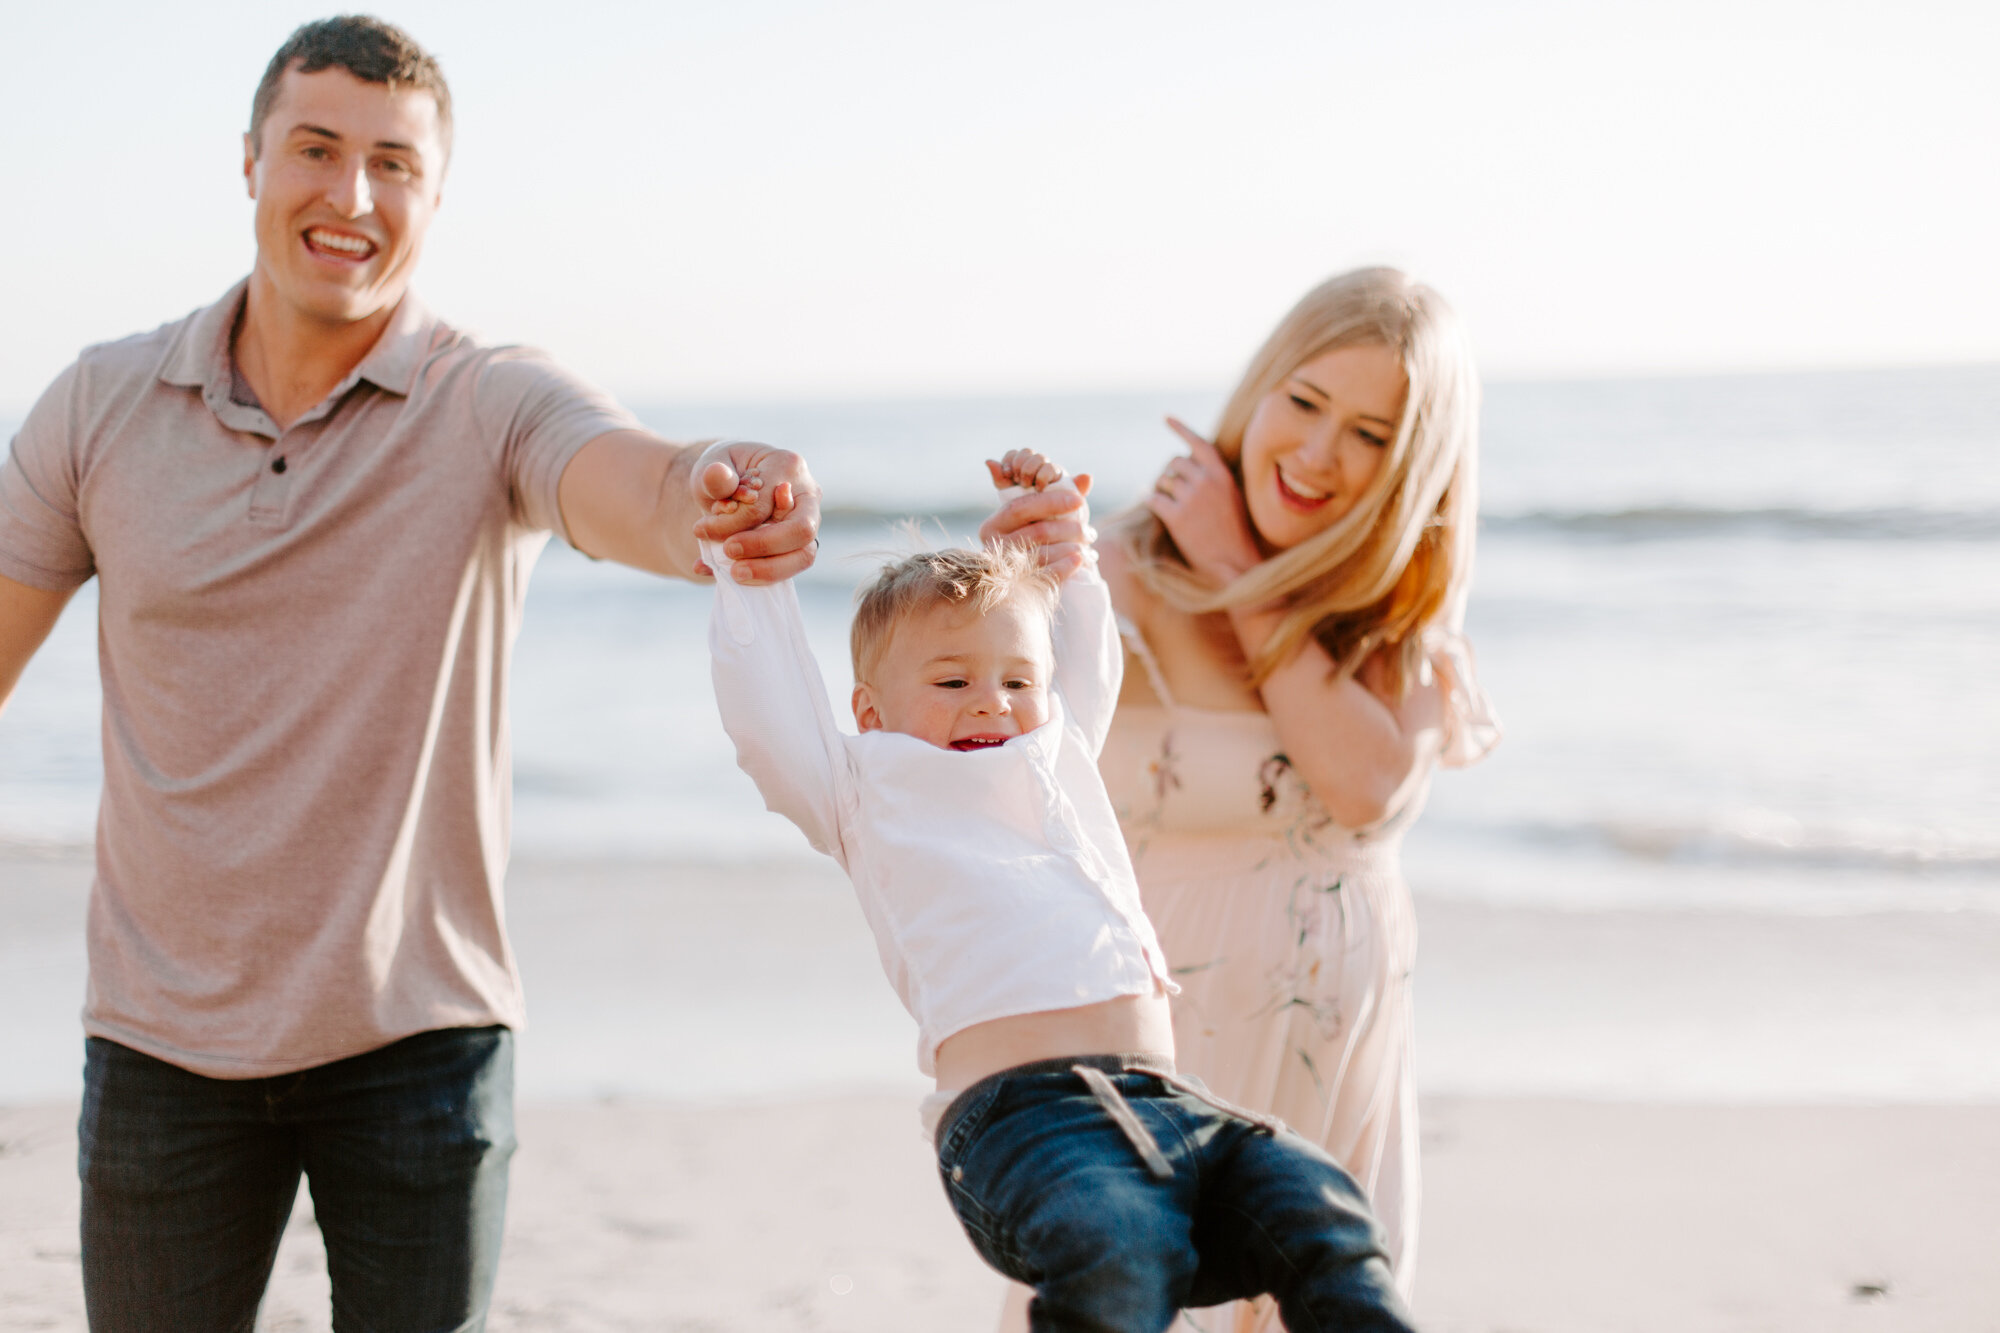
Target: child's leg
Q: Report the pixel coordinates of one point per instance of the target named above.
(1053, 1193)
(1278, 1215)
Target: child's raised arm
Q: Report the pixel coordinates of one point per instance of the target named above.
(768, 685)
(1090, 661)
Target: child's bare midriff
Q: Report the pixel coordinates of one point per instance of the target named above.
(1128, 1025)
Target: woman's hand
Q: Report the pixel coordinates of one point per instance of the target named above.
(1056, 522)
(1198, 500)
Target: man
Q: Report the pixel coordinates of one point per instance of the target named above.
(312, 509)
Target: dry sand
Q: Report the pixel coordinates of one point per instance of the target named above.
(698, 1209)
(1540, 1217)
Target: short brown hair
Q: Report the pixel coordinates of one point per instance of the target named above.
(982, 579)
(367, 48)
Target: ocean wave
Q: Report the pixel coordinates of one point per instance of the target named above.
(1664, 522)
(955, 515)
(1684, 522)
(1758, 838)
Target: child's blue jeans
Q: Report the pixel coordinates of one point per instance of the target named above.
(1125, 1194)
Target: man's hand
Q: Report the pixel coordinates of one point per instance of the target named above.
(634, 498)
(762, 505)
(731, 498)
(1055, 522)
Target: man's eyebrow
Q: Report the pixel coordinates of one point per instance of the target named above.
(1365, 416)
(393, 145)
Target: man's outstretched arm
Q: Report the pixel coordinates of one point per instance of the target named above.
(629, 496)
(26, 617)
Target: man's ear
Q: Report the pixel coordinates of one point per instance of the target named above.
(250, 164)
(865, 715)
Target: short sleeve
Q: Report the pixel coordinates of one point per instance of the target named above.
(1471, 729)
(41, 529)
(543, 415)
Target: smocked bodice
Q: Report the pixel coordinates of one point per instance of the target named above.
(1180, 773)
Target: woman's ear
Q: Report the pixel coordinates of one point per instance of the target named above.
(865, 715)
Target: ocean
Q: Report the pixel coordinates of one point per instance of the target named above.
(1743, 633)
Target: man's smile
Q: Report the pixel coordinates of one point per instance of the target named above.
(339, 244)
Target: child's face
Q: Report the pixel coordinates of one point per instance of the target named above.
(962, 680)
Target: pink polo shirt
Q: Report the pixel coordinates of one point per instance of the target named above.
(305, 640)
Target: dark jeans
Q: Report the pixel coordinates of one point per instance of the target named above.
(188, 1182)
(1118, 1226)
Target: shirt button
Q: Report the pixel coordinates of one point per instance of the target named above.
(277, 465)
(958, 1173)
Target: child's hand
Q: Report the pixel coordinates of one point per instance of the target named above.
(726, 492)
(1027, 469)
(1055, 522)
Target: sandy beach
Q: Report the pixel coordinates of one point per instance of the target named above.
(823, 1214)
(679, 1171)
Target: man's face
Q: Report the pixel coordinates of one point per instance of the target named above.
(346, 185)
(962, 680)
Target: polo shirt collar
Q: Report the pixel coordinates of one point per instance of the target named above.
(201, 356)
(392, 363)
(200, 360)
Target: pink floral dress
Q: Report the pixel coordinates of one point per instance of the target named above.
(1292, 938)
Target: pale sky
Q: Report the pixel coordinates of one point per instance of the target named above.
(886, 199)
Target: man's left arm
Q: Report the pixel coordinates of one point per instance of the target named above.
(629, 496)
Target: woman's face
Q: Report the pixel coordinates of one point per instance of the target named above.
(1317, 440)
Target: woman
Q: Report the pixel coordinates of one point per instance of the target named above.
(1291, 595)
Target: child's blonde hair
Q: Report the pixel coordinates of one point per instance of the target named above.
(980, 579)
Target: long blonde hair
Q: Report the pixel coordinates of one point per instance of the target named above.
(1401, 559)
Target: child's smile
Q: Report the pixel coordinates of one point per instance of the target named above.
(960, 679)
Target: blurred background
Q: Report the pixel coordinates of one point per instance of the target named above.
(1730, 271)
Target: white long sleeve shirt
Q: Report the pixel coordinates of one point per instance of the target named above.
(996, 881)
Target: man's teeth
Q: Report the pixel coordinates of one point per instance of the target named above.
(348, 245)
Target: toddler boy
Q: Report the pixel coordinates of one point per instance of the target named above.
(970, 817)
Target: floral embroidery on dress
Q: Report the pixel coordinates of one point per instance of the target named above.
(1164, 769)
(1314, 913)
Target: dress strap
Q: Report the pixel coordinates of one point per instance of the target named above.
(1136, 643)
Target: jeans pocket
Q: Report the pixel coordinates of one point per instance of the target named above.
(965, 1118)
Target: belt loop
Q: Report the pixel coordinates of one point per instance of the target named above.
(1125, 1118)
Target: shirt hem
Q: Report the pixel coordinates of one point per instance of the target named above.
(42, 577)
(212, 1065)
